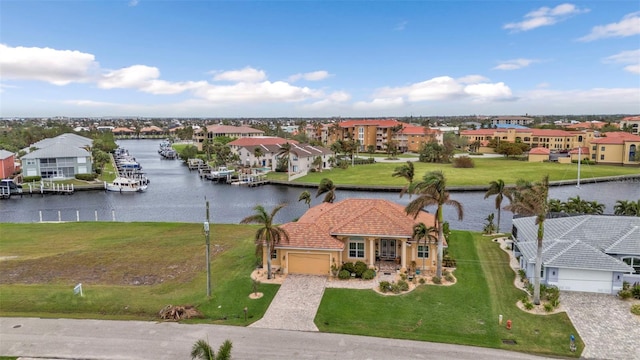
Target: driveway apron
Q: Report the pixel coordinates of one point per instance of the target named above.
(605, 323)
(295, 305)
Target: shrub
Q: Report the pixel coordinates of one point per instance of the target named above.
(548, 307)
(421, 281)
(523, 275)
(359, 268)
(635, 290)
(368, 274)
(449, 278)
(445, 272)
(344, 275)
(384, 286)
(436, 280)
(403, 285)
(625, 294)
(350, 267)
(403, 277)
(86, 177)
(528, 305)
(635, 309)
(463, 162)
(28, 179)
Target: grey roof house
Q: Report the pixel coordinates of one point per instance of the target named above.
(61, 157)
(590, 253)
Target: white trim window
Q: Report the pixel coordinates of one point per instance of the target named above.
(423, 251)
(356, 248)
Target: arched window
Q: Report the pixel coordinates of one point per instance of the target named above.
(634, 262)
(632, 152)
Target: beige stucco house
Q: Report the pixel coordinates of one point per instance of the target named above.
(539, 154)
(368, 230)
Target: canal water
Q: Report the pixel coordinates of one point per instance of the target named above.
(178, 195)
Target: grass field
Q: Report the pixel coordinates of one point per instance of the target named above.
(465, 313)
(128, 271)
(485, 171)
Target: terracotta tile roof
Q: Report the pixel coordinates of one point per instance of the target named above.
(616, 137)
(539, 151)
(229, 129)
(122, 130)
(631, 118)
(589, 125)
(309, 236)
(478, 132)
(150, 129)
(583, 151)
(260, 140)
(378, 123)
(417, 130)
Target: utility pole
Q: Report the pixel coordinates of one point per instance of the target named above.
(206, 233)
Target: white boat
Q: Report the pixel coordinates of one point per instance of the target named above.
(123, 184)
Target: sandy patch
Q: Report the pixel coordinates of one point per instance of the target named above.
(257, 295)
(261, 276)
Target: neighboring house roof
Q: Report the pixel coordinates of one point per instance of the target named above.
(584, 150)
(417, 130)
(532, 132)
(58, 150)
(596, 236)
(616, 138)
(4, 154)
(352, 217)
(631, 118)
(68, 138)
(122, 130)
(539, 151)
(377, 123)
(229, 129)
(255, 141)
(150, 129)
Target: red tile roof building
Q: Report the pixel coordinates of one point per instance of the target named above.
(619, 148)
(213, 131)
(632, 123)
(378, 133)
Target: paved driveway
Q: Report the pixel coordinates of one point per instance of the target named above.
(295, 305)
(606, 325)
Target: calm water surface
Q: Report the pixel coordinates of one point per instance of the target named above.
(175, 194)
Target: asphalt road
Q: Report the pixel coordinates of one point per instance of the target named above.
(119, 340)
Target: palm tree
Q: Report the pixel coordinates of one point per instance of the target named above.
(285, 151)
(406, 171)
(626, 208)
(328, 188)
(426, 233)
(202, 350)
(498, 189)
(306, 196)
(595, 207)
(258, 153)
(432, 190)
(532, 200)
(317, 163)
(268, 234)
(556, 206)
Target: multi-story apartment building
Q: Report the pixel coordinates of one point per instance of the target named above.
(556, 140)
(213, 131)
(632, 123)
(378, 133)
(619, 148)
(512, 120)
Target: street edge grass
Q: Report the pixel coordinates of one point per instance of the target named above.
(465, 313)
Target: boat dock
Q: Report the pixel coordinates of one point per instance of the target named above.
(250, 180)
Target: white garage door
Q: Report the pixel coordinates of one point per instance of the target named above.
(585, 280)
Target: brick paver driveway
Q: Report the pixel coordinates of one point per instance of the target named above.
(606, 325)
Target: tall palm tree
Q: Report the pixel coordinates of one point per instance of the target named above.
(328, 188)
(426, 233)
(407, 172)
(498, 189)
(258, 153)
(268, 234)
(306, 196)
(432, 190)
(285, 151)
(532, 200)
(203, 351)
(626, 207)
(596, 207)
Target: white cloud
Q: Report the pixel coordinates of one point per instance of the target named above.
(472, 79)
(379, 104)
(631, 57)
(331, 101)
(514, 64)
(310, 76)
(89, 103)
(487, 92)
(628, 26)
(265, 91)
(439, 88)
(59, 67)
(144, 78)
(545, 16)
(248, 74)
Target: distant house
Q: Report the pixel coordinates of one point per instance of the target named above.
(539, 154)
(61, 157)
(632, 123)
(619, 148)
(511, 120)
(123, 131)
(213, 131)
(7, 164)
(151, 130)
(367, 230)
(591, 253)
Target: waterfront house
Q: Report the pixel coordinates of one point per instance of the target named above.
(61, 157)
(213, 131)
(7, 164)
(375, 231)
(590, 253)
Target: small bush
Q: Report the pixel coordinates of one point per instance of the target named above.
(523, 275)
(436, 280)
(635, 290)
(403, 277)
(548, 307)
(635, 309)
(368, 274)
(86, 177)
(449, 278)
(528, 305)
(359, 268)
(384, 286)
(463, 162)
(625, 294)
(445, 272)
(28, 179)
(403, 285)
(350, 267)
(344, 275)
(422, 281)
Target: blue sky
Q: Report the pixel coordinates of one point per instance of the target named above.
(318, 58)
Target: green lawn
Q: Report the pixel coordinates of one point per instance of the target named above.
(465, 313)
(109, 260)
(485, 171)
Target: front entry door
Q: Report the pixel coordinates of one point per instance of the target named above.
(387, 249)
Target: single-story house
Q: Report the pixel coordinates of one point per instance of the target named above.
(539, 154)
(590, 253)
(368, 230)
